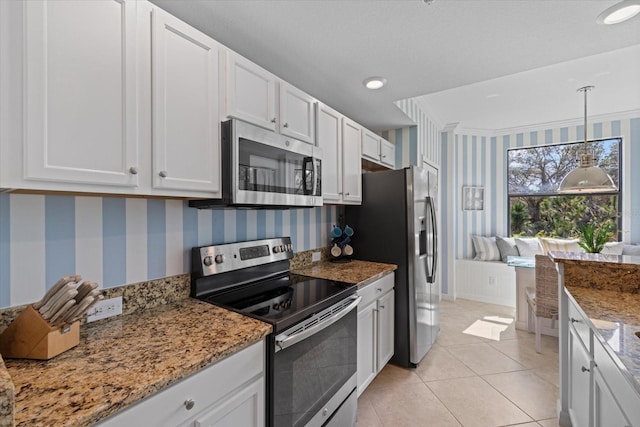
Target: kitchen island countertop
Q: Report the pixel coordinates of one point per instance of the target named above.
(120, 361)
(357, 272)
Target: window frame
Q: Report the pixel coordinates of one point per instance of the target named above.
(619, 193)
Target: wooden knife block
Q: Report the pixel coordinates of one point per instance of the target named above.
(29, 336)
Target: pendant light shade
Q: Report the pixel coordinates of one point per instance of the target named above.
(587, 178)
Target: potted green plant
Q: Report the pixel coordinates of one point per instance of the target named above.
(593, 238)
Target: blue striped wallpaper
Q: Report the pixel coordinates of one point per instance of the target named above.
(480, 161)
(116, 241)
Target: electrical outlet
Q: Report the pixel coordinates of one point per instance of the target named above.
(105, 308)
(315, 256)
(492, 280)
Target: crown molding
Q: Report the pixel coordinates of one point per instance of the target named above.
(622, 115)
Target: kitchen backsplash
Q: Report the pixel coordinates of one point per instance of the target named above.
(116, 241)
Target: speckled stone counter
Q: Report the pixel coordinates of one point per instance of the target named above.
(358, 272)
(123, 360)
(606, 289)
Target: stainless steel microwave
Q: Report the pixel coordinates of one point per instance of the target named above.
(261, 168)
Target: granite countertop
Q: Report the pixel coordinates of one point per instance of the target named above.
(122, 360)
(357, 272)
(606, 287)
(616, 317)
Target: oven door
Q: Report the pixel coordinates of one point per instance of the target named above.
(315, 368)
(270, 169)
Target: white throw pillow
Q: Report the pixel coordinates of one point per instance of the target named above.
(559, 245)
(613, 248)
(486, 248)
(528, 247)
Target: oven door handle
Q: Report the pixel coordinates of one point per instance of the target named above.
(283, 340)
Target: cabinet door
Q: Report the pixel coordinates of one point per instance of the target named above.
(351, 163)
(330, 141)
(606, 412)
(251, 92)
(385, 328)
(297, 114)
(244, 408)
(387, 153)
(367, 345)
(370, 145)
(80, 92)
(579, 381)
(186, 150)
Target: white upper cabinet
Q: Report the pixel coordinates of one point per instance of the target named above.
(251, 92)
(387, 153)
(378, 149)
(80, 105)
(110, 96)
(256, 96)
(186, 147)
(330, 141)
(297, 114)
(351, 164)
(370, 145)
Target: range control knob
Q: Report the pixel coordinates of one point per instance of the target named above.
(207, 260)
(276, 249)
(219, 259)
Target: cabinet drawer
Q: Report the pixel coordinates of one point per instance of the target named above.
(578, 321)
(624, 392)
(376, 289)
(168, 407)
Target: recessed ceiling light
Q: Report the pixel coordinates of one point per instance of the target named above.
(374, 82)
(619, 12)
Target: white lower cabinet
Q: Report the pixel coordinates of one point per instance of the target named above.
(228, 393)
(598, 393)
(375, 329)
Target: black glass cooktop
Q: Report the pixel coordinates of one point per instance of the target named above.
(283, 301)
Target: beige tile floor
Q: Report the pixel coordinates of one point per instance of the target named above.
(480, 372)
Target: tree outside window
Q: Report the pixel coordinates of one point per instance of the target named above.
(534, 174)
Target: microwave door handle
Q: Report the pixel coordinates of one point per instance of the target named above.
(283, 340)
(305, 165)
(314, 177)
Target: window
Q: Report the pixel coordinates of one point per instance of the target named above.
(534, 174)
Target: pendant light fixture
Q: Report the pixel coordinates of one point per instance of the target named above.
(587, 178)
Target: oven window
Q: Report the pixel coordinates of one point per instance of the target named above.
(269, 169)
(309, 373)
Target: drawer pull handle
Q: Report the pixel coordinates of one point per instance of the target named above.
(583, 369)
(574, 320)
(189, 404)
(273, 120)
(379, 289)
(382, 306)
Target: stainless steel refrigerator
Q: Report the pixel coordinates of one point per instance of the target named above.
(397, 224)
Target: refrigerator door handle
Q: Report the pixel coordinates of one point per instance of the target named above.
(430, 270)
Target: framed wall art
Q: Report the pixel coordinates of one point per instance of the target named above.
(472, 198)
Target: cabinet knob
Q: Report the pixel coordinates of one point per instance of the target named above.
(287, 143)
(574, 320)
(384, 156)
(340, 193)
(133, 170)
(189, 404)
(286, 125)
(346, 194)
(584, 369)
(273, 120)
(163, 174)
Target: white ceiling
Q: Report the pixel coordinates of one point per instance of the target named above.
(443, 50)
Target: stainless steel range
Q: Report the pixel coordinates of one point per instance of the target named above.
(311, 354)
